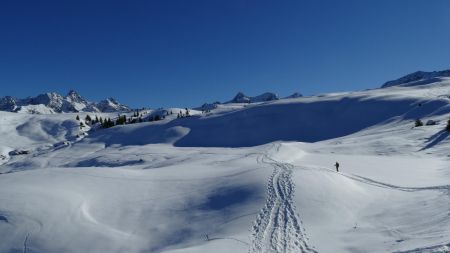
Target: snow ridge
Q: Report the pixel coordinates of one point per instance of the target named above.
(418, 78)
(278, 227)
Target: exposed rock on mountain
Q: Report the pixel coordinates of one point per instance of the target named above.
(55, 103)
(111, 105)
(242, 98)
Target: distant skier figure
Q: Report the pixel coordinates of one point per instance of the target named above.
(337, 166)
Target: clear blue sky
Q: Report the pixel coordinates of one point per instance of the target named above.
(166, 53)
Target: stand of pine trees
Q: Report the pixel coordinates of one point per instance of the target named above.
(107, 123)
(123, 119)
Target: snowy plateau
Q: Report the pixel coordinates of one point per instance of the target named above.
(254, 175)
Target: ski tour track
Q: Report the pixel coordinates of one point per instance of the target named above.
(278, 227)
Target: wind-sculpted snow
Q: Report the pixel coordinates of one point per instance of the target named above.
(278, 227)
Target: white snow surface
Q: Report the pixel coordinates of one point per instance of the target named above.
(241, 178)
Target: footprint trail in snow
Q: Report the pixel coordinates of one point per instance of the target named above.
(277, 227)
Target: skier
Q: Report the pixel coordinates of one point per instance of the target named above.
(337, 166)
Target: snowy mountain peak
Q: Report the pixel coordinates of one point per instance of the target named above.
(74, 96)
(52, 102)
(111, 105)
(242, 98)
(418, 78)
(268, 96)
(7, 103)
(51, 99)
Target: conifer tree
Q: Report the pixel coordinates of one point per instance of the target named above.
(418, 123)
(78, 117)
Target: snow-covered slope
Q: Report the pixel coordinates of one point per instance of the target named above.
(307, 119)
(54, 103)
(243, 177)
(419, 78)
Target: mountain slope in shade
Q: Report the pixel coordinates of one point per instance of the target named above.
(418, 78)
(55, 103)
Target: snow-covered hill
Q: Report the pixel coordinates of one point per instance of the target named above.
(307, 119)
(240, 177)
(419, 78)
(55, 103)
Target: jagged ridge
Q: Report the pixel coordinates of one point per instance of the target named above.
(55, 103)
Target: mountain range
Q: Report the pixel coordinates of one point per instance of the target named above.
(52, 102)
(55, 103)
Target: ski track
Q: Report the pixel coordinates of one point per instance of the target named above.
(35, 228)
(278, 227)
(369, 181)
(25, 247)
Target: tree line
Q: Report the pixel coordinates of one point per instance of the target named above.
(120, 120)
